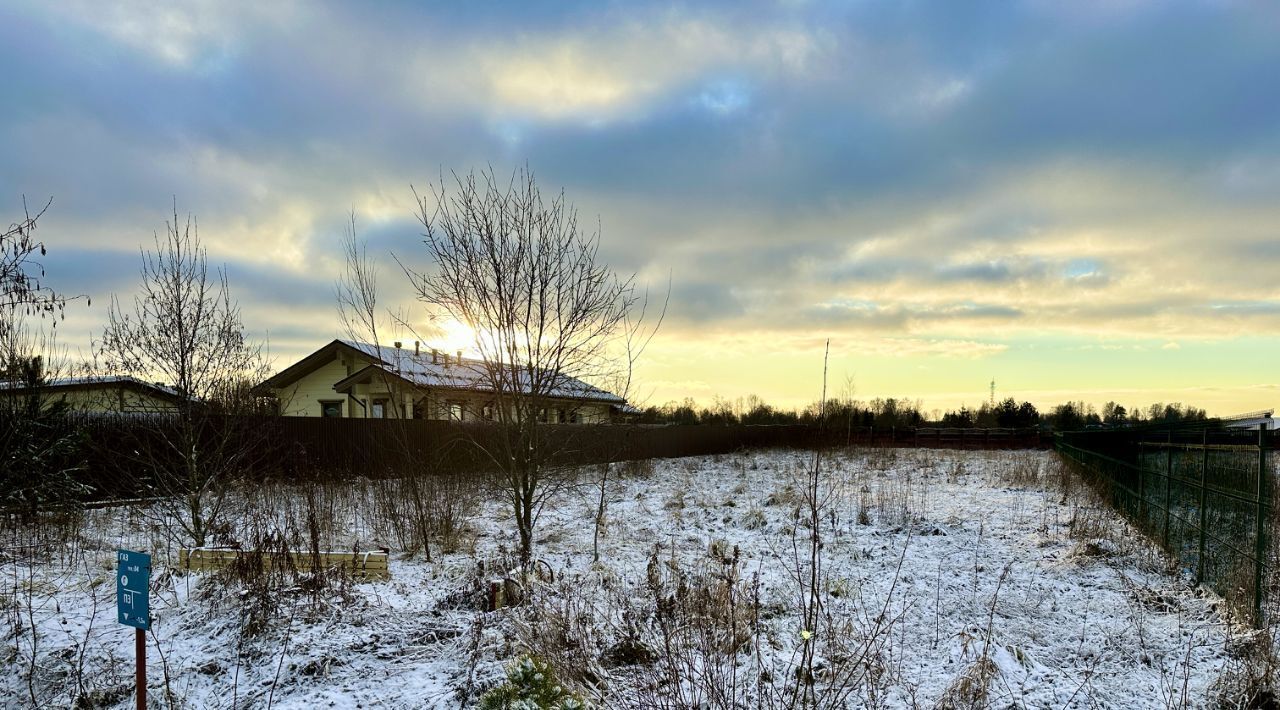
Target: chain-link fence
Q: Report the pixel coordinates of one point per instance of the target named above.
(1204, 494)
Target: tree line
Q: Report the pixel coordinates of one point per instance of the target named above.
(907, 413)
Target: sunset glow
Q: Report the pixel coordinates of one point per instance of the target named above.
(1077, 200)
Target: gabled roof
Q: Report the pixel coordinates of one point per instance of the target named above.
(307, 365)
(67, 384)
(420, 371)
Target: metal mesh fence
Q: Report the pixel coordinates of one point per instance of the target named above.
(1203, 494)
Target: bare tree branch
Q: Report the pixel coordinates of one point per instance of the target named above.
(547, 313)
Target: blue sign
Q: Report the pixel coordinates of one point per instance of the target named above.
(133, 586)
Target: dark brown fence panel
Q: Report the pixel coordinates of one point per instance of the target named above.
(126, 455)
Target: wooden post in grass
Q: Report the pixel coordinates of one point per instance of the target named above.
(133, 608)
(140, 651)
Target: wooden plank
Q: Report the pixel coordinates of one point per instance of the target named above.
(363, 558)
(358, 564)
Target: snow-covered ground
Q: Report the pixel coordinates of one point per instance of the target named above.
(967, 568)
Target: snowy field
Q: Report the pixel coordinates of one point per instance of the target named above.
(945, 579)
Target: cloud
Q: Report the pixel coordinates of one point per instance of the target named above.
(616, 68)
(200, 34)
(912, 172)
(926, 348)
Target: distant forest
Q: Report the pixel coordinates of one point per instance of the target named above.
(894, 412)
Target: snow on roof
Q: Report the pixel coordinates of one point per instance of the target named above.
(93, 380)
(1252, 422)
(470, 374)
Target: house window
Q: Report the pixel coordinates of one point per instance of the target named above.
(561, 417)
(455, 411)
(574, 417)
(331, 409)
(379, 409)
(487, 411)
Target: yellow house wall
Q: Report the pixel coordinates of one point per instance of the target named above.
(473, 407)
(303, 397)
(112, 399)
(399, 399)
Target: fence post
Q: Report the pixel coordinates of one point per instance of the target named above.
(1204, 513)
(1168, 474)
(1116, 476)
(1260, 528)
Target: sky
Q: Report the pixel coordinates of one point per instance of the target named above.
(1078, 200)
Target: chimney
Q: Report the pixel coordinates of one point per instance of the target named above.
(417, 348)
(459, 357)
(435, 356)
(398, 344)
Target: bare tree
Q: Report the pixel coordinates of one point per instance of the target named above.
(364, 320)
(185, 328)
(42, 448)
(546, 312)
(637, 333)
(357, 290)
(22, 287)
(24, 294)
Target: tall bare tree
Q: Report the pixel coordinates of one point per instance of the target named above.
(365, 320)
(357, 290)
(547, 313)
(41, 448)
(185, 328)
(638, 331)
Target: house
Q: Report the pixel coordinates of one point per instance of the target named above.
(351, 379)
(1252, 420)
(106, 394)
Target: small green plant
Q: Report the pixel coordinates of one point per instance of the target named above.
(531, 685)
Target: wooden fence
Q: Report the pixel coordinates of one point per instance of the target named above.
(122, 451)
(363, 565)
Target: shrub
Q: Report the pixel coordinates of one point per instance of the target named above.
(754, 519)
(637, 468)
(531, 684)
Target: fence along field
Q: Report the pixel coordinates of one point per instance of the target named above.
(1204, 493)
(306, 448)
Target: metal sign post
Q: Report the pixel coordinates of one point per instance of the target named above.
(133, 607)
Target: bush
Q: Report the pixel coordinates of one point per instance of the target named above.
(531, 685)
(42, 449)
